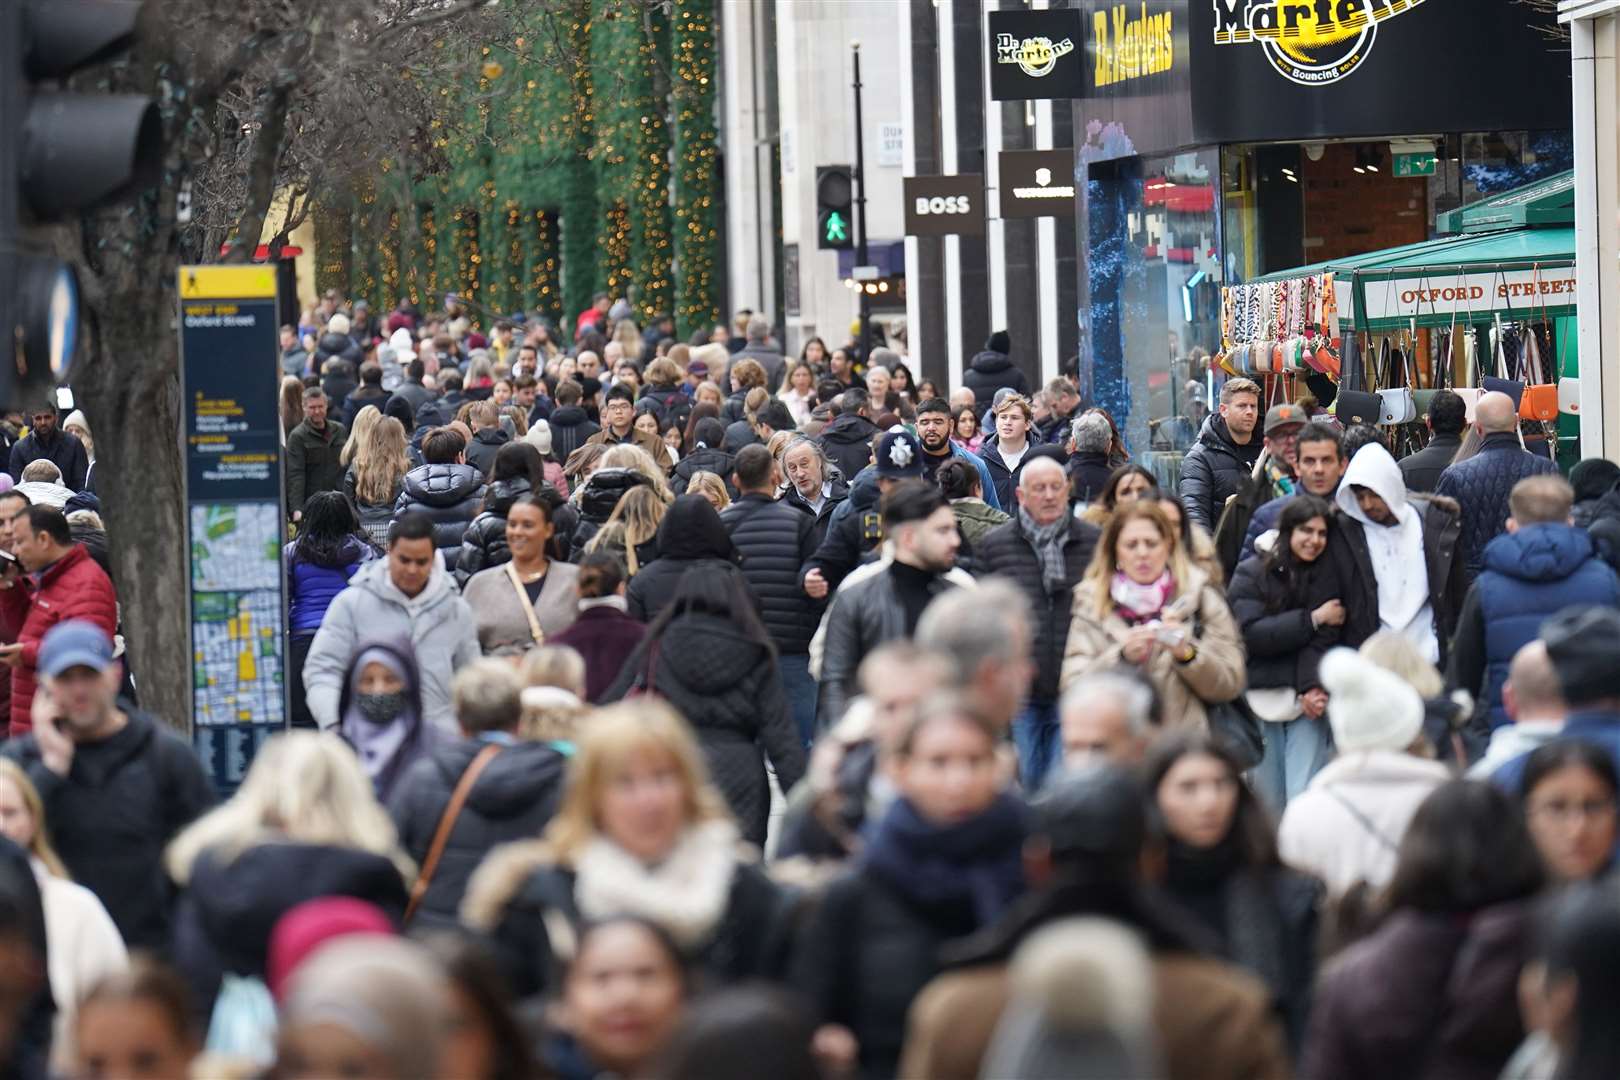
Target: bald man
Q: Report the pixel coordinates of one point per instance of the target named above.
(1481, 485)
(1535, 704)
(1044, 539)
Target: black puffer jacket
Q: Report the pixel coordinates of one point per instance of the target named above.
(486, 443)
(851, 532)
(570, 427)
(1006, 549)
(341, 346)
(707, 459)
(835, 495)
(449, 494)
(1214, 469)
(988, 372)
(1283, 647)
(728, 688)
(342, 381)
(514, 797)
(596, 502)
(775, 538)
(847, 442)
(735, 407)
(691, 533)
(230, 906)
(484, 543)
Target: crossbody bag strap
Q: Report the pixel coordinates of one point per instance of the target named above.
(535, 632)
(447, 823)
(1361, 819)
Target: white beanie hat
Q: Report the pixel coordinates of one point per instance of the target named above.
(1369, 708)
(338, 324)
(539, 436)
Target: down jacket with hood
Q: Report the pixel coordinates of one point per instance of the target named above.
(1407, 577)
(691, 533)
(847, 442)
(484, 543)
(597, 499)
(1214, 470)
(988, 372)
(1527, 576)
(231, 905)
(514, 797)
(728, 688)
(437, 622)
(571, 427)
(451, 495)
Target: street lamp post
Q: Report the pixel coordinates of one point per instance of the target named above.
(862, 342)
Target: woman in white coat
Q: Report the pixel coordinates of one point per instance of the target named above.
(82, 942)
(1346, 826)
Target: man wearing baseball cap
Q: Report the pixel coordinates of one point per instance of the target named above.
(117, 784)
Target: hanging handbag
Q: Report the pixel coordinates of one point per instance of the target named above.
(447, 824)
(1499, 381)
(1353, 407)
(1540, 401)
(1569, 386)
(1396, 404)
(536, 635)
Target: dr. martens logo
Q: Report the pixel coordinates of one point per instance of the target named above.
(1310, 42)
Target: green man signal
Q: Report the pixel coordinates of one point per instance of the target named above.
(834, 194)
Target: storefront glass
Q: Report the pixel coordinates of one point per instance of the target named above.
(1154, 275)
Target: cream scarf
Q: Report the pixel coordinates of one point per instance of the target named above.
(687, 894)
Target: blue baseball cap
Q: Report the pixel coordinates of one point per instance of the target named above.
(75, 643)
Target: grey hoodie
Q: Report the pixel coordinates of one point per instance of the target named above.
(437, 622)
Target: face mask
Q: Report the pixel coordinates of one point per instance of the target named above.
(380, 708)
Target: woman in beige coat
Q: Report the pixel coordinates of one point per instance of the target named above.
(1141, 603)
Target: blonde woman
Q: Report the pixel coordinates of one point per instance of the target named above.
(631, 531)
(364, 421)
(630, 456)
(82, 943)
(1144, 604)
(706, 392)
(304, 824)
(640, 832)
(77, 426)
(711, 487)
(553, 696)
(373, 481)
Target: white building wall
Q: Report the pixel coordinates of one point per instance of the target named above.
(745, 68)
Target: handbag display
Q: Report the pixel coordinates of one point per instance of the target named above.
(1357, 407)
(1569, 395)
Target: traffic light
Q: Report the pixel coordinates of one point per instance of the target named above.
(60, 153)
(835, 223)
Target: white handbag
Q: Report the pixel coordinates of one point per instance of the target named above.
(1569, 395)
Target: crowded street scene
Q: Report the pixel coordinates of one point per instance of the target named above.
(809, 539)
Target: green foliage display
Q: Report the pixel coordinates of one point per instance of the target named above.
(582, 159)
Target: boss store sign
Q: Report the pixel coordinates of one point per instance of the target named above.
(1037, 183)
(944, 205)
(1036, 55)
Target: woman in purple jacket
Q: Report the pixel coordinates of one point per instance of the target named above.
(604, 634)
(329, 549)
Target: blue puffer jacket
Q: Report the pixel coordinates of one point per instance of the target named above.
(1528, 576)
(1481, 486)
(311, 588)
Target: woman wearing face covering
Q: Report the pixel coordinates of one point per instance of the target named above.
(381, 713)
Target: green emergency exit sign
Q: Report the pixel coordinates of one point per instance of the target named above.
(1415, 164)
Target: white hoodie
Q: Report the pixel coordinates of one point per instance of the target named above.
(1396, 550)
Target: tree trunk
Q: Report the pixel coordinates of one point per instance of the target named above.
(130, 388)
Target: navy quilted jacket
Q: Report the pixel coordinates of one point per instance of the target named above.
(1481, 486)
(1528, 576)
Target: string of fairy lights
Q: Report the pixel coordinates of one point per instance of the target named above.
(579, 160)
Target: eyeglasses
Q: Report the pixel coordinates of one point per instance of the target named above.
(1564, 812)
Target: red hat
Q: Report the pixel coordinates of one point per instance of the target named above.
(307, 927)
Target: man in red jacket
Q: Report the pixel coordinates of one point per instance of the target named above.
(61, 582)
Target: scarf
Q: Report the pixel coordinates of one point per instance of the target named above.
(687, 894)
(1140, 602)
(1048, 540)
(975, 864)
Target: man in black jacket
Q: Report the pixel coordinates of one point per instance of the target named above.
(117, 785)
(993, 369)
(847, 441)
(888, 603)
(1224, 456)
(514, 795)
(446, 489)
(571, 426)
(775, 538)
(369, 392)
(46, 440)
(314, 453)
(488, 436)
(1045, 549)
(1448, 415)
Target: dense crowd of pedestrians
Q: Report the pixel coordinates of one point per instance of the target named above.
(690, 709)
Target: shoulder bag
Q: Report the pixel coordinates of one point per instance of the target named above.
(447, 823)
(537, 635)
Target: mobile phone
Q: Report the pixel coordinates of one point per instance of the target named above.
(1167, 636)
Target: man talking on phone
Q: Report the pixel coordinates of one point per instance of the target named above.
(57, 581)
(117, 784)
